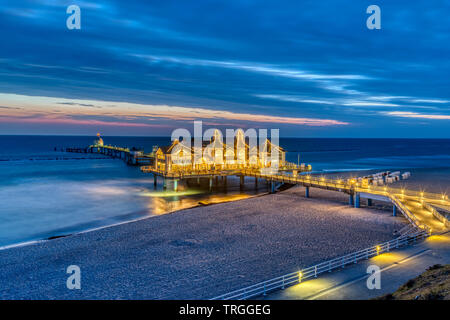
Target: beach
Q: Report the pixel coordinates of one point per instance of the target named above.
(198, 253)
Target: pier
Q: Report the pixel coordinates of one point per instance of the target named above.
(175, 165)
(131, 157)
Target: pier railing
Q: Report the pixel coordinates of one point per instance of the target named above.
(262, 288)
(304, 179)
(437, 214)
(428, 196)
(110, 147)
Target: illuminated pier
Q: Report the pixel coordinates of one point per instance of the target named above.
(130, 156)
(177, 164)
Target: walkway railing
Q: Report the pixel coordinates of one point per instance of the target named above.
(413, 193)
(408, 214)
(437, 215)
(314, 271)
(304, 179)
(110, 147)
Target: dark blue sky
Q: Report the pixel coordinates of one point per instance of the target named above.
(310, 68)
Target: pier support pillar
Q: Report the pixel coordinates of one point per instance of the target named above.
(272, 187)
(210, 184)
(394, 211)
(351, 200)
(306, 192)
(241, 183)
(357, 200)
(155, 180)
(225, 182)
(256, 182)
(369, 202)
(164, 183)
(175, 185)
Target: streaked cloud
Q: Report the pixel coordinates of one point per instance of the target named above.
(430, 101)
(253, 67)
(297, 99)
(40, 110)
(416, 115)
(362, 101)
(369, 104)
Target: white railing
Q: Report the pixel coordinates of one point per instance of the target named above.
(407, 213)
(437, 214)
(414, 194)
(289, 279)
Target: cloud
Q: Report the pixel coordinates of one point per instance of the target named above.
(10, 108)
(38, 108)
(418, 115)
(364, 101)
(272, 70)
(79, 104)
(430, 101)
(298, 99)
(369, 104)
(70, 121)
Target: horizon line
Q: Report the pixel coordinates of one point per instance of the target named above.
(168, 136)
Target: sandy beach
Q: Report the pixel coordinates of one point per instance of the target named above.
(197, 253)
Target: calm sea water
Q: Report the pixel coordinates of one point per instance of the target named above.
(45, 192)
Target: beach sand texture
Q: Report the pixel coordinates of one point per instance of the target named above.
(198, 253)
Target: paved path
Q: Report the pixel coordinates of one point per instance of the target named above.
(397, 267)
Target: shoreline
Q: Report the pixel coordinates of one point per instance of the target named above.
(38, 241)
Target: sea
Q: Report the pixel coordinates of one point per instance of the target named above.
(47, 193)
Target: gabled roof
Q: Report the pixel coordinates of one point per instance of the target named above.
(168, 149)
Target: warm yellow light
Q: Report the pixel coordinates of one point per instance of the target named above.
(300, 275)
(378, 249)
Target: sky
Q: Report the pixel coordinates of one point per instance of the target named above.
(308, 68)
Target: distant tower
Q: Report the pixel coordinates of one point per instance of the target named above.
(99, 141)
